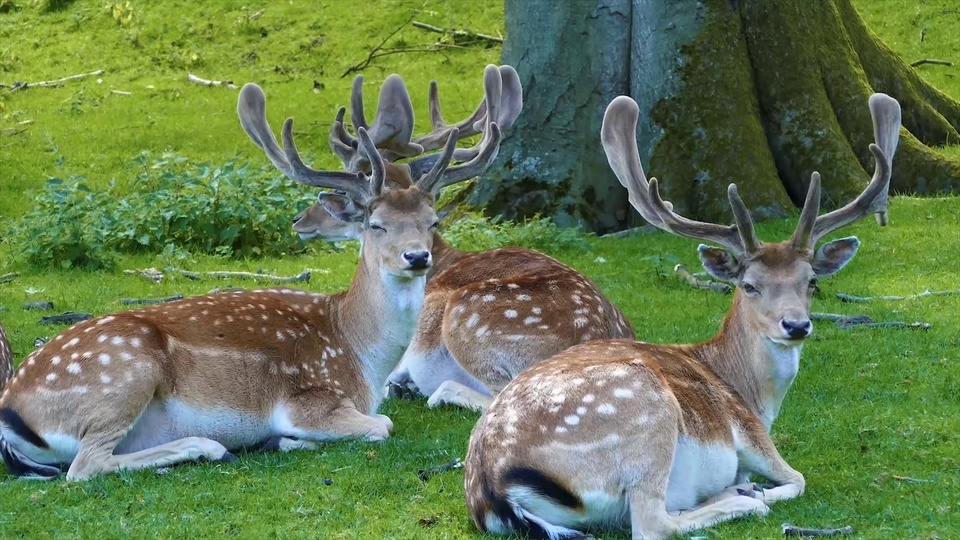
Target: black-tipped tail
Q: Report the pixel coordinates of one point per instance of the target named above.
(527, 525)
(18, 464)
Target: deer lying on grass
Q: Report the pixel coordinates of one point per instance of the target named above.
(6, 359)
(195, 378)
(487, 315)
(663, 438)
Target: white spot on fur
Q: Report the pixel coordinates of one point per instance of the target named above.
(536, 311)
(106, 379)
(532, 320)
(489, 298)
(73, 368)
(117, 340)
(104, 358)
(623, 393)
(135, 342)
(51, 377)
(55, 360)
(589, 398)
(606, 408)
(571, 419)
(473, 320)
(71, 343)
(524, 297)
(510, 314)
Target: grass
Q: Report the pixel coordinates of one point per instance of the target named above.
(869, 406)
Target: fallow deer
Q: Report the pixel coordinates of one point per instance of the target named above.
(198, 377)
(487, 315)
(6, 359)
(664, 438)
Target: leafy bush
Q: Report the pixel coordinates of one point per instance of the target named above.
(474, 232)
(230, 210)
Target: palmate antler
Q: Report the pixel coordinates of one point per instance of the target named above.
(503, 100)
(251, 107)
(618, 136)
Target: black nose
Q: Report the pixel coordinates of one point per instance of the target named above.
(417, 259)
(796, 329)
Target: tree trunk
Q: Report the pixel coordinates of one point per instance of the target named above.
(755, 92)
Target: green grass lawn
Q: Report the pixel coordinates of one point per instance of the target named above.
(872, 421)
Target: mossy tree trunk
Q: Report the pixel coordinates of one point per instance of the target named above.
(754, 92)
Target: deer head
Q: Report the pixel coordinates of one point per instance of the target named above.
(396, 226)
(775, 281)
(392, 134)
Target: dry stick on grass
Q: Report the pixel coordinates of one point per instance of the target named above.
(465, 34)
(140, 301)
(425, 474)
(923, 61)
(256, 276)
(6, 278)
(792, 530)
(645, 229)
(696, 283)
(204, 82)
(862, 299)
(149, 274)
(23, 85)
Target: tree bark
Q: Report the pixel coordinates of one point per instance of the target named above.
(755, 92)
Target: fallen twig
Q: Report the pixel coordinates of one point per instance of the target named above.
(923, 61)
(645, 229)
(696, 283)
(121, 92)
(911, 480)
(849, 321)
(458, 33)
(139, 301)
(150, 274)
(425, 474)
(206, 82)
(256, 276)
(792, 530)
(222, 290)
(70, 317)
(379, 48)
(42, 305)
(861, 299)
(18, 85)
(6, 278)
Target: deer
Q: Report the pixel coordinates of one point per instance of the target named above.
(487, 315)
(276, 368)
(663, 438)
(6, 359)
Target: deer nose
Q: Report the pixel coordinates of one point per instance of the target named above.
(796, 329)
(417, 260)
(297, 218)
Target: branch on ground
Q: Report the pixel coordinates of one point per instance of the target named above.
(69, 317)
(425, 474)
(7, 278)
(849, 321)
(923, 61)
(459, 34)
(157, 276)
(379, 51)
(645, 229)
(142, 301)
(862, 299)
(792, 530)
(206, 82)
(697, 283)
(19, 85)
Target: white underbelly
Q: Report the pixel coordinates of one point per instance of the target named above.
(172, 419)
(699, 471)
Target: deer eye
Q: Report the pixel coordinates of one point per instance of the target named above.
(434, 225)
(749, 289)
(378, 228)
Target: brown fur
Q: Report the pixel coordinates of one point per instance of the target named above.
(6, 359)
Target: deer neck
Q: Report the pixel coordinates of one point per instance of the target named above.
(759, 370)
(377, 317)
(444, 255)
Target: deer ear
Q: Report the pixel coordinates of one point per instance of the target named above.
(720, 263)
(341, 207)
(833, 256)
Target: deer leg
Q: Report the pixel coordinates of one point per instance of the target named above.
(312, 417)
(761, 457)
(454, 393)
(96, 457)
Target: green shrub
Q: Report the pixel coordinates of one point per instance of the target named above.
(475, 232)
(230, 210)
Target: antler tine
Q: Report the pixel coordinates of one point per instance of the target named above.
(356, 105)
(348, 182)
(728, 236)
(873, 200)
(377, 170)
(748, 237)
(342, 143)
(441, 130)
(618, 135)
(473, 168)
(251, 107)
(429, 181)
(808, 216)
(393, 127)
(511, 100)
